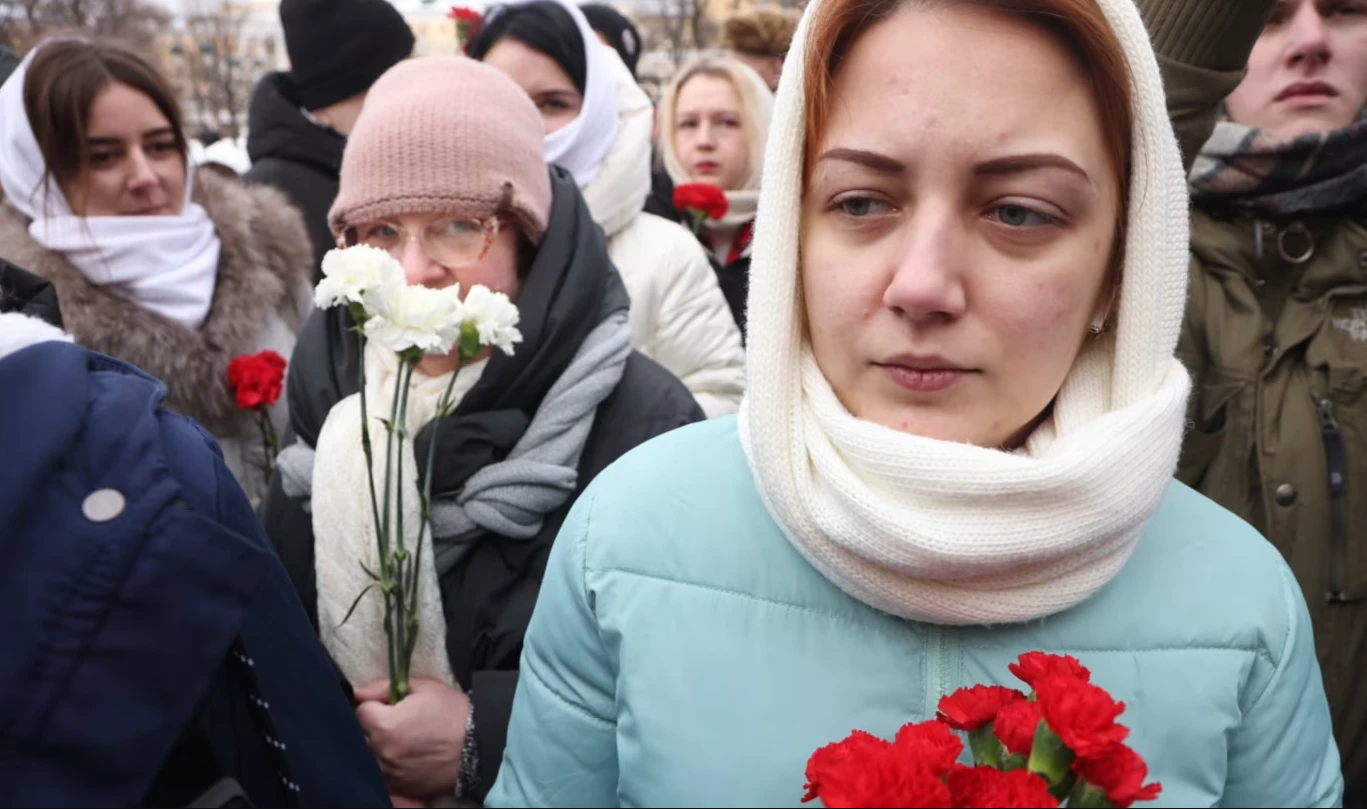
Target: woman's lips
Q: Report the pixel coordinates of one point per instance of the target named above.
(923, 380)
(706, 167)
(1307, 94)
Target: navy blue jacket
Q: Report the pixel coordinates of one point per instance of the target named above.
(116, 634)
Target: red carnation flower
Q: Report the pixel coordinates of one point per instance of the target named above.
(1119, 771)
(1015, 726)
(701, 201)
(829, 769)
(1083, 715)
(929, 744)
(1035, 666)
(864, 770)
(988, 786)
(257, 379)
(971, 708)
(464, 14)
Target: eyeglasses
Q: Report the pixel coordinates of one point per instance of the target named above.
(449, 242)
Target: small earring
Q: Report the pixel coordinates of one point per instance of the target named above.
(1098, 327)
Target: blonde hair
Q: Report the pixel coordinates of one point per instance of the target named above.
(756, 106)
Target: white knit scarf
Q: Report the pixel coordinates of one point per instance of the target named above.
(344, 527)
(165, 264)
(949, 533)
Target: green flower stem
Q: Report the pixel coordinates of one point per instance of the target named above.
(359, 317)
(268, 441)
(1085, 796)
(987, 748)
(405, 582)
(1050, 758)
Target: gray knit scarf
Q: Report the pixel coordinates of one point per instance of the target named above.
(511, 498)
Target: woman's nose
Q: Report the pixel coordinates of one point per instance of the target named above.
(140, 176)
(927, 281)
(419, 268)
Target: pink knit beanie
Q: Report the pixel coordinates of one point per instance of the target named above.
(445, 134)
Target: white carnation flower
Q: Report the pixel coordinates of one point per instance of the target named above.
(350, 272)
(404, 317)
(495, 316)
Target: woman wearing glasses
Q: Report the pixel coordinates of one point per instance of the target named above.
(444, 171)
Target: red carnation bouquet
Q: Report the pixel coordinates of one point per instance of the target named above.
(468, 22)
(700, 202)
(257, 380)
(1062, 742)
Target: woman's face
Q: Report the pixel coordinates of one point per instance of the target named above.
(136, 168)
(957, 226)
(540, 77)
(496, 269)
(1308, 70)
(709, 136)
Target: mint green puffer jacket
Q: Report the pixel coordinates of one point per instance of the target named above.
(683, 653)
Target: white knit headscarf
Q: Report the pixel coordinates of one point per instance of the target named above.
(950, 533)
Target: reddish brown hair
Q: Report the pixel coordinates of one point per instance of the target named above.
(1079, 26)
(62, 82)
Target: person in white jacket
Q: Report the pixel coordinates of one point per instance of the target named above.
(599, 124)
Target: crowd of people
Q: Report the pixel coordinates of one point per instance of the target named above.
(1027, 326)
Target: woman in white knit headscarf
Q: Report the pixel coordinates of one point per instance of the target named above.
(598, 123)
(957, 447)
(713, 121)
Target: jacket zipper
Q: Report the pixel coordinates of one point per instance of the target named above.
(940, 681)
(1336, 456)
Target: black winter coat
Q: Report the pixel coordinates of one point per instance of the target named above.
(295, 155)
(489, 595)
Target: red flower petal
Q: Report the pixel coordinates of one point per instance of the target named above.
(971, 708)
(929, 744)
(257, 380)
(1015, 726)
(1083, 715)
(1120, 771)
(1035, 666)
(988, 786)
(707, 199)
(864, 770)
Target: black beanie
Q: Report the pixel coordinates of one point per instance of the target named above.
(621, 33)
(543, 26)
(338, 48)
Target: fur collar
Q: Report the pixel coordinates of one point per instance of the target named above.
(263, 273)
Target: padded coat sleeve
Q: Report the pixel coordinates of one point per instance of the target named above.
(562, 739)
(1284, 754)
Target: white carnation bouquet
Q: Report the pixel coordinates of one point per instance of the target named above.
(411, 321)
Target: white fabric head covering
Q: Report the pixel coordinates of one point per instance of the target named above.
(950, 533)
(581, 146)
(166, 264)
(618, 194)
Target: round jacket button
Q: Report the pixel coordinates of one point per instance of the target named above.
(1362, 260)
(103, 505)
(1286, 495)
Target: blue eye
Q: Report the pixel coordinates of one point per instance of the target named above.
(862, 207)
(1019, 216)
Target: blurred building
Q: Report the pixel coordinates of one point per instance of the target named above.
(215, 52)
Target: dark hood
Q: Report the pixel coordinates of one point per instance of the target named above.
(571, 286)
(276, 127)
